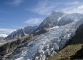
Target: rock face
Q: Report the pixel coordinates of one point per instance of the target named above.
(60, 28)
(21, 32)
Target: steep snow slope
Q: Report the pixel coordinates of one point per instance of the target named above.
(52, 41)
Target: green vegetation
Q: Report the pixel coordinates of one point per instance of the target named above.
(78, 55)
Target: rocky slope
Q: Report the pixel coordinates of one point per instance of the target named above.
(21, 32)
(7, 47)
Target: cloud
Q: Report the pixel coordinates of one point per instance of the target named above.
(72, 3)
(15, 2)
(3, 35)
(44, 7)
(47, 6)
(6, 31)
(76, 7)
(34, 21)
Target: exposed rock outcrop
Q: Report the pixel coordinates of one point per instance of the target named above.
(11, 45)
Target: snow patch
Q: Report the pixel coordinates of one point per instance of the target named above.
(54, 27)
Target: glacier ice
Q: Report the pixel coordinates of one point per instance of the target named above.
(52, 41)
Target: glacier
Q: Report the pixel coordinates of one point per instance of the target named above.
(52, 41)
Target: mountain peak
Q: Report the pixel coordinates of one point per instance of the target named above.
(21, 32)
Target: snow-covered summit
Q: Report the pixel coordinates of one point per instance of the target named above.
(58, 19)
